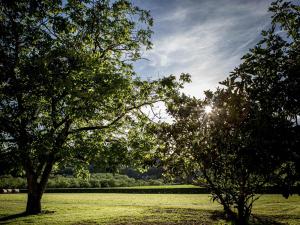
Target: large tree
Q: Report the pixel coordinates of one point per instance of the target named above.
(67, 78)
(244, 136)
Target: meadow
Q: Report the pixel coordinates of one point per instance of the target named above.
(143, 209)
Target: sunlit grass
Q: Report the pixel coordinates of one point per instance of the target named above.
(162, 209)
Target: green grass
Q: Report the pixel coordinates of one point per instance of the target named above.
(158, 209)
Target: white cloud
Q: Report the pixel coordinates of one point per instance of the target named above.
(204, 39)
(179, 14)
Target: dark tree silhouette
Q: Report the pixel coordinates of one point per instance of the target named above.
(250, 139)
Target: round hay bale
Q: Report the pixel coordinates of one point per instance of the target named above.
(15, 190)
(3, 191)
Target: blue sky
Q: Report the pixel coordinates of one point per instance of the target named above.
(205, 38)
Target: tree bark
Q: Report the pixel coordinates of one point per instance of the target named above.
(242, 220)
(34, 196)
(243, 215)
(36, 189)
(33, 203)
(230, 215)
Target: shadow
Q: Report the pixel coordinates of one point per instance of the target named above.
(14, 216)
(254, 220)
(272, 220)
(174, 216)
(85, 222)
(188, 216)
(264, 221)
(218, 215)
(23, 214)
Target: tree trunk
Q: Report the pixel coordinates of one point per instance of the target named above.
(34, 196)
(243, 215)
(33, 203)
(242, 220)
(36, 189)
(230, 215)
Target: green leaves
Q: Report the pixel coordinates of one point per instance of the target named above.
(250, 138)
(67, 83)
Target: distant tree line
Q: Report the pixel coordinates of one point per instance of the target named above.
(97, 180)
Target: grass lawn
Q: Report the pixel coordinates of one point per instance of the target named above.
(125, 209)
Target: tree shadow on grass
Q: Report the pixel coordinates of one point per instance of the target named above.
(177, 216)
(189, 216)
(257, 220)
(85, 222)
(173, 216)
(265, 221)
(273, 219)
(23, 214)
(14, 216)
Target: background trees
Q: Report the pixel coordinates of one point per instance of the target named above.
(68, 90)
(67, 80)
(250, 139)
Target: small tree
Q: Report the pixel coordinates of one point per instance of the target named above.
(67, 78)
(250, 139)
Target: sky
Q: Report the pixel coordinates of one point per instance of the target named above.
(205, 38)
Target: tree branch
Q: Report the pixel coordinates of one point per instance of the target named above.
(100, 127)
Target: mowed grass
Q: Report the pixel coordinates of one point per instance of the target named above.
(125, 209)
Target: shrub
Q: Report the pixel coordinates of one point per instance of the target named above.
(11, 182)
(94, 183)
(84, 183)
(112, 182)
(104, 183)
(155, 182)
(62, 182)
(74, 183)
(97, 180)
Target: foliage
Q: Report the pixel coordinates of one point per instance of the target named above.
(98, 180)
(9, 165)
(151, 173)
(67, 82)
(132, 190)
(12, 182)
(251, 137)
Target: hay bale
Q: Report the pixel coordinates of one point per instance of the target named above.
(15, 190)
(3, 191)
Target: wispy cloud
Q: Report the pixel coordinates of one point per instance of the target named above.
(202, 37)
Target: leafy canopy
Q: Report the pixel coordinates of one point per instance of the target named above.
(67, 81)
(250, 139)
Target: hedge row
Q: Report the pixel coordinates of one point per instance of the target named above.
(127, 190)
(12, 182)
(200, 190)
(100, 180)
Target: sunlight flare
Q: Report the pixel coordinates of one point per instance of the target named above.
(207, 109)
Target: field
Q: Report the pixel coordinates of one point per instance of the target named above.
(125, 209)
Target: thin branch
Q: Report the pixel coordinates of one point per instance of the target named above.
(8, 140)
(100, 127)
